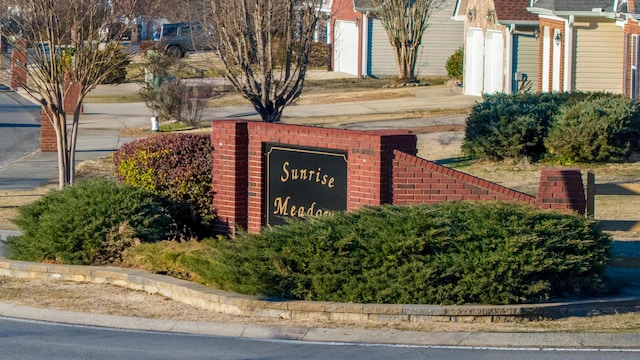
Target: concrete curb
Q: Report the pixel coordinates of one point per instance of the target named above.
(236, 304)
(517, 340)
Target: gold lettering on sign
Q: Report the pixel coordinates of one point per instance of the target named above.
(282, 208)
(308, 175)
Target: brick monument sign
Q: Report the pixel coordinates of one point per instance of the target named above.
(264, 173)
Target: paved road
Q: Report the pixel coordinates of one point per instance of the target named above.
(21, 339)
(19, 127)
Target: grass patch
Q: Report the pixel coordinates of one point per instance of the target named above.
(116, 99)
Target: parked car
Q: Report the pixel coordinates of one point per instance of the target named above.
(179, 38)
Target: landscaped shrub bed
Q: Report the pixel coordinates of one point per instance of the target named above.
(88, 223)
(449, 253)
(585, 127)
(177, 167)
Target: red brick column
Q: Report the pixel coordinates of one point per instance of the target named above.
(72, 94)
(18, 66)
(48, 141)
(230, 175)
(561, 189)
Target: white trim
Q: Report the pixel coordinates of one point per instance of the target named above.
(364, 26)
(546, 66)
(555, 82)
(568, 54)
(508, 87)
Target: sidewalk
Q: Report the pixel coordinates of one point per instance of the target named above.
(101, 123)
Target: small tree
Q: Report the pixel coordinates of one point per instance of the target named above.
(405, 22)
(65, 57)
(265, 46)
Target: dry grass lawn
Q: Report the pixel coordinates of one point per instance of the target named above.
(113, 300)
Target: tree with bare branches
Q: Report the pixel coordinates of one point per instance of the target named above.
(67, 58)
(265, 46)
(405, 22)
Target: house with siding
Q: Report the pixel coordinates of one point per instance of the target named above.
(361, 46)
(501, 46)
(588, 45)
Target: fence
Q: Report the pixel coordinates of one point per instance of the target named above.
(626, 208)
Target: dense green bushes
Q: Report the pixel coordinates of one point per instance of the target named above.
(450, 253)
(511, 126)
(595, 129)
(89, 223)
(517, 126)
(178, 167)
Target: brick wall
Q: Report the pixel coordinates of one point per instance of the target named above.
(238, 182)
(561, 189)
(48, 141)
(552, 26)
(381, 168)
(18, 68)
(417, 181)
(230, 174)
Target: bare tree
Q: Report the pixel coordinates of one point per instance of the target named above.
(265, 45)
(405, 22)
(66, 60)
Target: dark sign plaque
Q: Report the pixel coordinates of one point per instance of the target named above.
(303, 182)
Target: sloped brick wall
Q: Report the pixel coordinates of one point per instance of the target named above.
(417, 181)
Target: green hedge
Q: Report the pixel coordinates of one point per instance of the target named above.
(88, 223)
(587, 127)
(450, 253)
(595, 129)
(178, 167)
(511, 126)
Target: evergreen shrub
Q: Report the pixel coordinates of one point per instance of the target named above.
(506, 126)
(115, 62)
(454, 65)
(88, 223)
(178, 167)
(449, 253)
(599, 128)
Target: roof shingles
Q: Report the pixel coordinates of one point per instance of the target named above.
(513, 10)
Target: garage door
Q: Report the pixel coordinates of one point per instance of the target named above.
(474, 62)
(494, 62)
(345, 47)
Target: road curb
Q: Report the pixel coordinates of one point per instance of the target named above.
(372, 314)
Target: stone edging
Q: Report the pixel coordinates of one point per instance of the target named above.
(236, 304)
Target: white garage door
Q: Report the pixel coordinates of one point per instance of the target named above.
(474, 62)
(494, 62)
(345, 53)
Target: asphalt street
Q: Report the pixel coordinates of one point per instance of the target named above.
(19, 127)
